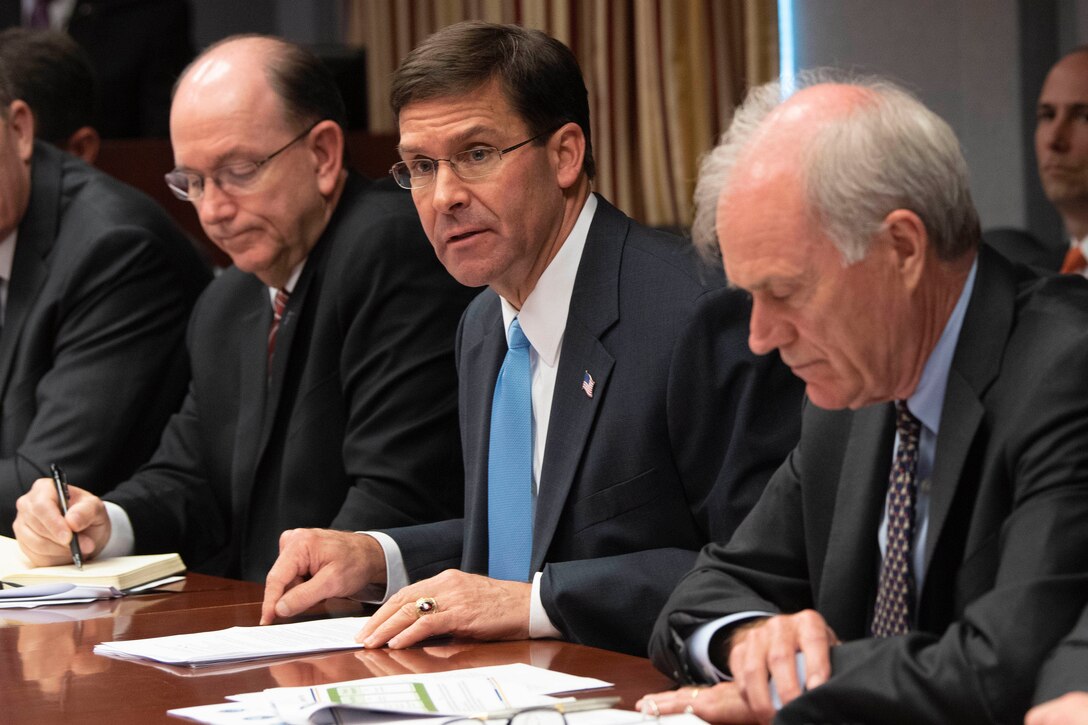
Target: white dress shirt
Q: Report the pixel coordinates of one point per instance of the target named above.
(7, 257)
(543, 318)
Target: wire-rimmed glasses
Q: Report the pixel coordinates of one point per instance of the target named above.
(468, 164)
(237, 177)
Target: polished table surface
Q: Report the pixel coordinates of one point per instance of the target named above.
(49, 674)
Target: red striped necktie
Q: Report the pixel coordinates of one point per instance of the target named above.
(278, 306)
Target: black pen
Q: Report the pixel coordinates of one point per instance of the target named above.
(61, 482)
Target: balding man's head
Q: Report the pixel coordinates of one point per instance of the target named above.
(845, 212)
(255, 151)
(860, 147)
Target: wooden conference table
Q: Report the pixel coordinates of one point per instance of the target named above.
(49, 674)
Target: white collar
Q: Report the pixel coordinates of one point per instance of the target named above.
(291, 282)
(543, 315)
(7, 255)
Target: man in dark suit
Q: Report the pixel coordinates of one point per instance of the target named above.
(53, 75)
(909, 562)
(323, 391)
(1061, 153)
(1062, 689)
(646, 427)
(136, 47)
(97, 285)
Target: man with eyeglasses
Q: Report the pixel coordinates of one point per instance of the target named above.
(613, 420)
(323, 389)
(96, 285)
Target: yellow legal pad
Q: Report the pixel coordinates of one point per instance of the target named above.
(121, 572)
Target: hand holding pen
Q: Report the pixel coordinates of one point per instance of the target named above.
(61, 482)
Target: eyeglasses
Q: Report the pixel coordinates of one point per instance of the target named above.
(237, 177)
(545, 714)
(469, 164)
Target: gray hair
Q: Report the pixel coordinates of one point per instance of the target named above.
(885, 154)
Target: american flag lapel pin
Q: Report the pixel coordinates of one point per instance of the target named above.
(588, 383)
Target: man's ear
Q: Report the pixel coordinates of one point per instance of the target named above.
(568, 147)
(21, 125)
(327, 143)
(909, 242)
(84, 143)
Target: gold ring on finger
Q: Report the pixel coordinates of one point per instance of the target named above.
(426, 605)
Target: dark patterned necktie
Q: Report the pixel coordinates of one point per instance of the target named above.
(278, 306)
(895, 591)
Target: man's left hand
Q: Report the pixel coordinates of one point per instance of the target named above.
(722, 703)
(1069, 709)
(466, 605)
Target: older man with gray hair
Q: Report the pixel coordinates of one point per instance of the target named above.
(922, 548)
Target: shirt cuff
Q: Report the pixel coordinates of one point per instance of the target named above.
(396, 574)
(122, 541)
(799, 661)
(698, 644)
(540, 624)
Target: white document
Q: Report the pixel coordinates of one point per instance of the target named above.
(448, 697)
(38, 595)
(246, 713)
(513, 685)
(241, 643)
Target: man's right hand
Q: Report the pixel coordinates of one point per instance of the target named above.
(43, 533)
(767, 650)
(316, 564)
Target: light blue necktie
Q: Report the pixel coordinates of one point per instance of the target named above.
(510, 466)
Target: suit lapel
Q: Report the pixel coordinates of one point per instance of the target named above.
(848, 583)
(253, 345)
(285, 343)
(594, 308)
(481, 359)
(265, 387)
(34, 242)
(977, 360)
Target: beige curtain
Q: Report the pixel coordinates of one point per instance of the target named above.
(663, 77)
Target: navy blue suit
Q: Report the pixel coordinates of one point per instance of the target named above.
(682, 431)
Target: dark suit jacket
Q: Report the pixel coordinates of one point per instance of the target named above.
(137, 49)
(1066, 670)
(92, 359)
(1024, 247)
(1006, 572)
(683, 429)
(355, 429)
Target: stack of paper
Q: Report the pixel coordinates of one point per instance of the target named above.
(43, 594)
(402, 698)
(120, 572)
(241, 643)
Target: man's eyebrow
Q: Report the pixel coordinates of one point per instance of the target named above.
(1077, 107)
(459, 139)
(221, 160)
